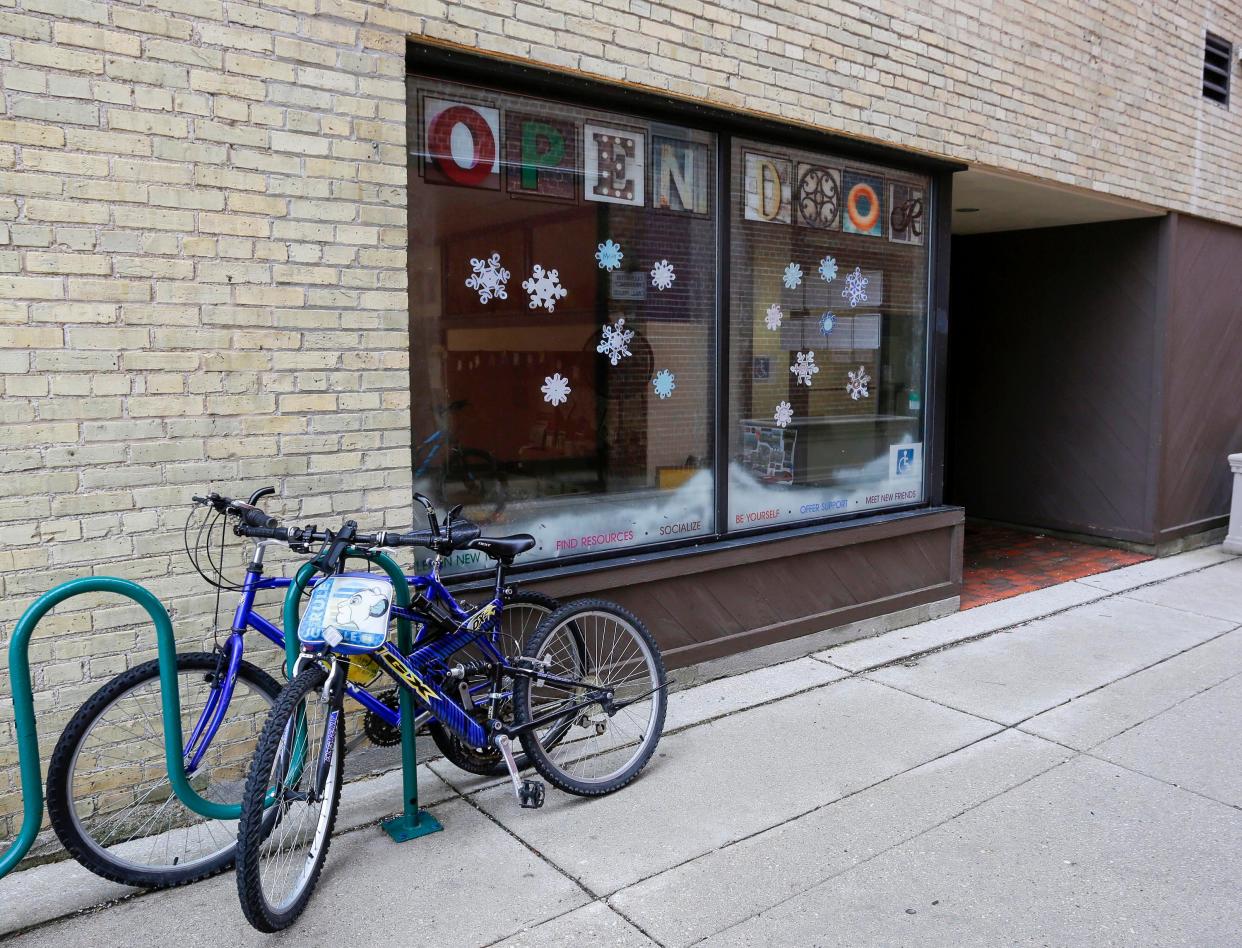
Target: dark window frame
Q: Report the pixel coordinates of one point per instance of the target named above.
(459, 65)
(1216, 76)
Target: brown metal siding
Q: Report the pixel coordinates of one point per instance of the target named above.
(1202, 376)
(717, 602)
(1052, 375)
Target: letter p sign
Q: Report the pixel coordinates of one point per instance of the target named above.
(541, 155)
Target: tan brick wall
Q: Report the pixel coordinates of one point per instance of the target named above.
(202, 230)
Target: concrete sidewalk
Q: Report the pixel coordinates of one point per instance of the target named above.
(1062, 768)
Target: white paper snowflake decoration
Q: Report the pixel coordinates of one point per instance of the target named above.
(609, 255)
(855, 291)
(828, 269)
(827, 323)
(773, 317)
(489, 278)
(857, 385)
(662, 275)
(783, 414)
(616, 341)
(544, 288)
(804, 368)
(793, 276)
(555, 389)
(663, 383)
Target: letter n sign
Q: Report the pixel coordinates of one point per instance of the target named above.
(462, 143)
(680, 174)
(541, 156)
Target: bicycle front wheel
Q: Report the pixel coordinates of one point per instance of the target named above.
(290, 802)
(108, 794)
(597, 748)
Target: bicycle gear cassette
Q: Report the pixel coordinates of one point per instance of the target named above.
(379, 732)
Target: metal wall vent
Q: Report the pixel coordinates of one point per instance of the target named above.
(1217, 63)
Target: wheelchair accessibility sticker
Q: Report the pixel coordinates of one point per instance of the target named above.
(905, 460)
(348, 612)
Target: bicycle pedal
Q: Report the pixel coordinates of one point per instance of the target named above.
(530, 795)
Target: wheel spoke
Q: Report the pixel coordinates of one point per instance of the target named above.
(584, 744)
(110, 791)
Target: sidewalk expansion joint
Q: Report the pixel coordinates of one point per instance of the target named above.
(901, 842)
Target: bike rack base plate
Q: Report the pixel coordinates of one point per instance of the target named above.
(403, 828)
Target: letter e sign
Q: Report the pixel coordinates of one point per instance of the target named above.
(615, 165)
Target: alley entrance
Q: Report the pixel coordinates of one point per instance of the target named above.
(1052, 353)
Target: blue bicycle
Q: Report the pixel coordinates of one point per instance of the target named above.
(589, 695)
(108, 796)
(483, 485)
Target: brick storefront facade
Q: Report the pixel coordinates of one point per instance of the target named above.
(203, 230)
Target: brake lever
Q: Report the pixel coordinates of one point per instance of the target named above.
(448, 527)
(432, 523)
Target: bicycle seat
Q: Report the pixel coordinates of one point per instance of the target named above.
(503, 548)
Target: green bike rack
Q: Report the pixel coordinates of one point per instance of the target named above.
(412, 822)
(24, 716)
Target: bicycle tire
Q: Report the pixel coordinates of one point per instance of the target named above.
(489, 762)
(574, 617)
(255, 830)
(64, 810)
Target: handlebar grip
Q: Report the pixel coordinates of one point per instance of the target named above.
(263, 532)
(253, 516)
(414, 538)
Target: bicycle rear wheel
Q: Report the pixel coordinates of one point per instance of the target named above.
(592, 750)
(108, 794)
(296, 771)
(523, 612)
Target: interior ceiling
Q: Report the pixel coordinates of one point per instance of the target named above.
(1007, 202)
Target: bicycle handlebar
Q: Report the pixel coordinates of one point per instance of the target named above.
(453, 534)
(464, 533)
(247, 513)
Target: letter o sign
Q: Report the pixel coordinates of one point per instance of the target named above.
(483, 146)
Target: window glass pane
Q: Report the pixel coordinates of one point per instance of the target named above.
(562, 306)
(828, 276)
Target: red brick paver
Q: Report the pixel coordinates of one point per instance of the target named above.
(999, 562)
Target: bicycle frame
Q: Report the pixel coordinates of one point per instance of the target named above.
(472, 628)
(433, 594)
(436, 442)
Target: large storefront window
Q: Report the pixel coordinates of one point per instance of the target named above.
(828, 308)
(562, 319)
(567, 325)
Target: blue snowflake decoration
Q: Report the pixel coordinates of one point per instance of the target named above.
(663, 383)
(827, 323)
(609, 255)
(793, 276)
(828, 269)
